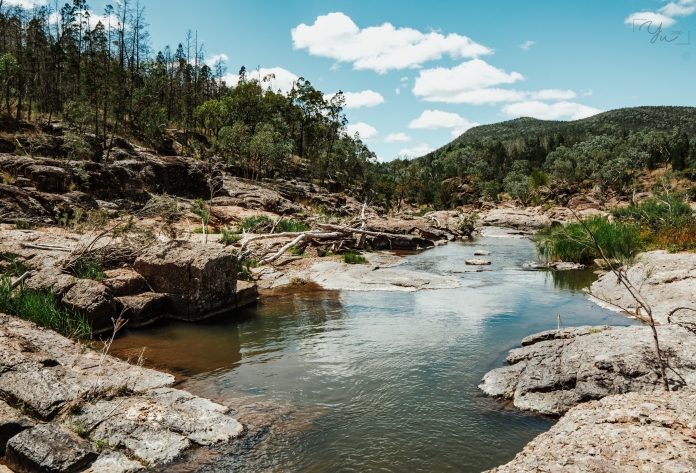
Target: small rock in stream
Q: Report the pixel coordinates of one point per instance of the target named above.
(478, 262)
(482, 253)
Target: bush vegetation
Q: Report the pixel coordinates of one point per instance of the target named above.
(88, 268)
(352, 257)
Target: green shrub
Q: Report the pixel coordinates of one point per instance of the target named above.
(244, 269)
(257, 224)
(352, 257)
(42, 308)
(538, 179)
(229, 238)
(88, 269)
(21, 224)
(658, 212)
(295, 250)
(293, 226)
(573, 243)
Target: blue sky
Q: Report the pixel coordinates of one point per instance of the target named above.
(454, 63)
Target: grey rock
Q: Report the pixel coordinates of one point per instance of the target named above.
(115, 462)
(198, 279)
(482, 253)
(93, 300)
(623, 433)
(550, 376)
(11, 423)
(48, 448)
(564, 266)
(51, 279)
(125, 282)
(478, 262)
(666, 282)
(142, 309)
(516, 218)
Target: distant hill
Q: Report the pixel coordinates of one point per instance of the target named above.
(606, 123)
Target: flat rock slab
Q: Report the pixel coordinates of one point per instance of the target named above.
(517, 218)
(50, 448)
(363, 277)
(478, 262)
(482, 253)
(125, 282)
(623, 433)
(11, 423)
(115, 462)
(552, 373)
(45, 370)
(160, 425)
(564, 266)
(666, 282)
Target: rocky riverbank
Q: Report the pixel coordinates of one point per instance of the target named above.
(67, 407)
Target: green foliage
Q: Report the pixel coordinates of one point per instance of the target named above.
(244, 269)
(293, 226)
(257, 224)
(21, 224)
(42, 308)
(538, 179)
(296, 251)
(200, 208)
(352, 257)
(573, 242)
(88, 268)
(229, 237)
(14, 268)
(657, 212)
(75, 147)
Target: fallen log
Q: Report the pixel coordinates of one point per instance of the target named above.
(300, 238)
(48, 247)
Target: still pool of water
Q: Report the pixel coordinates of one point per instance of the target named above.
(390, 379)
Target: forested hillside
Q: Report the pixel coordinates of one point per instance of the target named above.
(90, 81)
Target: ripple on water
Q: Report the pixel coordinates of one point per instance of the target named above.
(345, 381)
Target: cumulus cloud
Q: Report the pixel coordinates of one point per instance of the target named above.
(397, 138)
(215, 58)
(276, 78)
(664, 16)
(366, 98)
(545, 111)
(398, 91)
(553, 94)
(367, 132)
(25, 3)
(379, 48)
(416, 151)
(527, 44)
(439, 120)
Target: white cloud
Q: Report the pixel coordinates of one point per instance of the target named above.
(215, 58)
(404, 79)
(544, 111)
(587, 93)
(438, 120)
(379, 48)
(366, 98)
(397, 138)
(664, 16)
(416, 151)
(282, 81)
(398, 91)
(553, 94)
(366, 131)
(25, 3)
(457, 84)
(527, 44)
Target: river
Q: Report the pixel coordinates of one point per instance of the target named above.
(379, 381)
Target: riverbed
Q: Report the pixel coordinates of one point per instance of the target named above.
(380, 381)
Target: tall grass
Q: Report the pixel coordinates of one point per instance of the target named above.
(42, 308)
(667, 222)
(352, 257)
(250, 224)
(88, 269)
(292, 226)
(572, 242)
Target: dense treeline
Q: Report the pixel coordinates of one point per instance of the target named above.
(100, 75)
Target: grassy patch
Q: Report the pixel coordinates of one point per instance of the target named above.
(257, 224)
(573, 243)
(229, 238)
(352, 257)
(88, 269)
(42, 308)
(292, 226)
(15, 268)
(21, 224)
(296, 251)
(244, 269)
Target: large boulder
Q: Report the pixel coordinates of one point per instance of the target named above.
(48, 448)
(555, 370)
(666, 282)
(125, 282)
(142, 309)
(11, 423)
(93, 300)
(633, 432)
(199, 280)
(48, 178)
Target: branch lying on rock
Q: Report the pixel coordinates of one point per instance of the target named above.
(48, 247)
(298, 240)
(19, 280)
(345, 229)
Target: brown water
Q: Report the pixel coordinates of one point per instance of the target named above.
(379, 381)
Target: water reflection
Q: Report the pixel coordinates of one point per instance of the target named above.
(379, 381)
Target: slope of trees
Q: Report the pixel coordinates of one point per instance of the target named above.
(100, 75)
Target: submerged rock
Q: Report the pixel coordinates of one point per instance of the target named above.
(623, 433)
(50, 448)
(552, 372)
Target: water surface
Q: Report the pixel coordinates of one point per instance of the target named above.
(381, 381)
